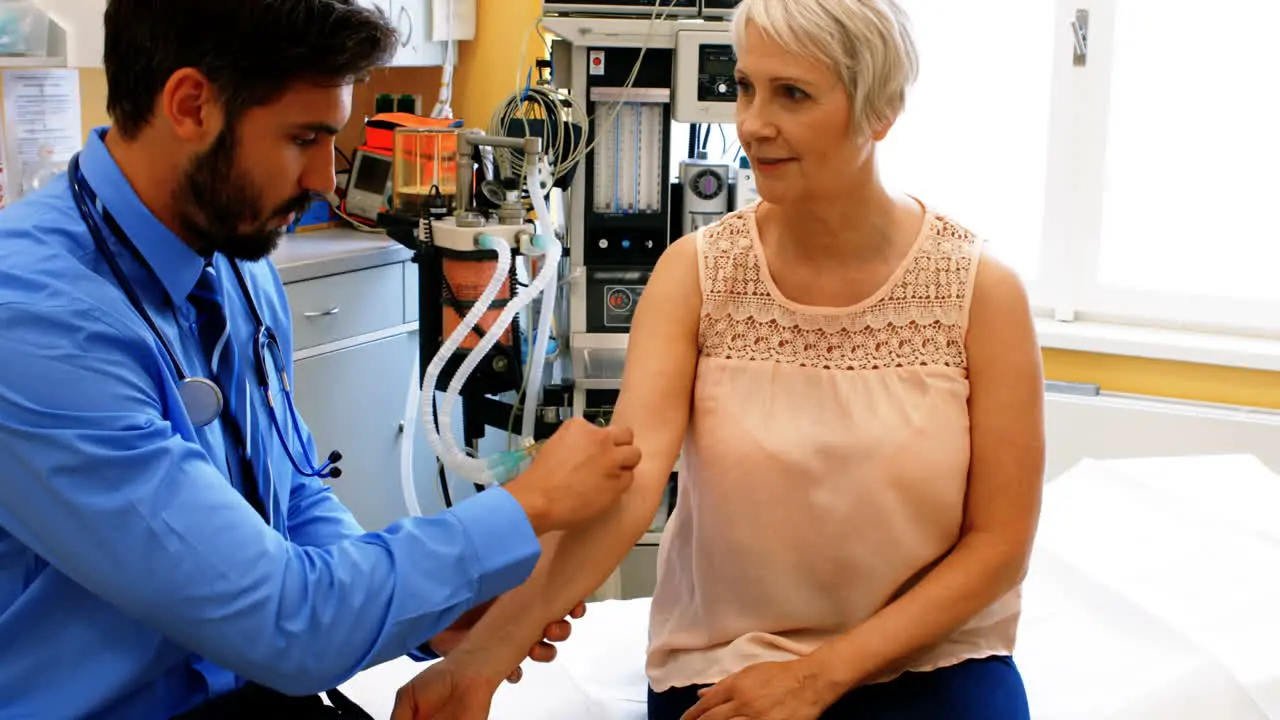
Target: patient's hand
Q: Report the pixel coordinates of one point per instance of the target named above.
(447, 641)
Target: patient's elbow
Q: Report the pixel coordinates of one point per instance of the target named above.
(644, 498)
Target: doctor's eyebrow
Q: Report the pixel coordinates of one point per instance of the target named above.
(319, 128)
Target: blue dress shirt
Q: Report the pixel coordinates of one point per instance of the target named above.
(135, 579)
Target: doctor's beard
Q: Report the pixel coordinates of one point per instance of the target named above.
(217, 201)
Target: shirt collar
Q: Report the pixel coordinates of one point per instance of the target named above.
(173, 261)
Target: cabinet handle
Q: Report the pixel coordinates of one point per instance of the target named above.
(331, 311)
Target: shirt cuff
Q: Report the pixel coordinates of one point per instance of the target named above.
(505, 547)
(423, 653)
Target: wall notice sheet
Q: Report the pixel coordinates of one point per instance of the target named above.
(4, 182)
(42, 127)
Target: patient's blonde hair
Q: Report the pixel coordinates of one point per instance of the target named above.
(868, 44)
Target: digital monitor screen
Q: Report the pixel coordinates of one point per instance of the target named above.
(716, 60)
(372, 174)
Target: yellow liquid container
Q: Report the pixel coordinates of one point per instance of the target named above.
(426, 166)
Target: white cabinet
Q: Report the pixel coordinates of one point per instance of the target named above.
(352, 384)
(78, 33)
(353, 400)
(412, 19)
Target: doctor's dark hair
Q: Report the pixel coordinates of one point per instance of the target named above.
(252, 51)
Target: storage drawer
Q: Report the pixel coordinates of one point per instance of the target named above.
(411, 292)
(332, 308)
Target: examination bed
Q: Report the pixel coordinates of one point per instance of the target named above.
(1154, 592)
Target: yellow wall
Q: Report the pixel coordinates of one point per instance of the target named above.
(1207, 383)
(487, 68)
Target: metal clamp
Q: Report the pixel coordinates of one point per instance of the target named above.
(1080, 36)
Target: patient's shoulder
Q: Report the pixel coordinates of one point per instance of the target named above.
(672, 298)
(678, 268)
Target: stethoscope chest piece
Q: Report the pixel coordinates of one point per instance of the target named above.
(202, 399)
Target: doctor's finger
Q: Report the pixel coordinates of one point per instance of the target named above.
(626, 456)
(405, 707)
(621, 435)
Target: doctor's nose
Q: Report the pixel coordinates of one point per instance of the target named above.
(320, 174)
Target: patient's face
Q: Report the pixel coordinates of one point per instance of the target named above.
(795, 122)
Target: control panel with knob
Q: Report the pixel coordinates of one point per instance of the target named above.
(705, 88)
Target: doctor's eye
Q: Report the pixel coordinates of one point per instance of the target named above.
(305, 141)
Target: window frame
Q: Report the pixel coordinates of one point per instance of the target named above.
(1067, 287)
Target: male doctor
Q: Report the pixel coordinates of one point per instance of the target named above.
(160, 546)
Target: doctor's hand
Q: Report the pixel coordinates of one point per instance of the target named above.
(447, 641)
(443, 692)
(577, 475)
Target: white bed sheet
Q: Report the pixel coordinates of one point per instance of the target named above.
(1154, 592)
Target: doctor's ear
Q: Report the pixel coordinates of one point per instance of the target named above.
(192, 107)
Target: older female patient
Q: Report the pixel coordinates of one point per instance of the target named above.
(856, 386)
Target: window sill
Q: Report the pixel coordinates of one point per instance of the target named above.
(1160, 344)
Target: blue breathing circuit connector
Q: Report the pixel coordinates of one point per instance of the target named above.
(505, 466)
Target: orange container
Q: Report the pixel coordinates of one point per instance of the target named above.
(467, 279)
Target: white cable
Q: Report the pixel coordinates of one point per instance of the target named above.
(557, 132)
(444, 104)
(441, 442)
(513, 164)
(474, 469)
(550, 268)
(444, 443)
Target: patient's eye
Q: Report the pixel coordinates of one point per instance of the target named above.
(794, 93)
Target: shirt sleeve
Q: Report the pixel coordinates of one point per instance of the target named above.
(104, 487)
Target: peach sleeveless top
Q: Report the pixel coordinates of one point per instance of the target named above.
(826, 461)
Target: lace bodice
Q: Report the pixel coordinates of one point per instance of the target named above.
(825, 466)
(918, 318)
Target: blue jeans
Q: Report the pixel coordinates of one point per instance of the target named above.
(986, 689)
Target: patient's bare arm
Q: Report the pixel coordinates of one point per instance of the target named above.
(654, 403)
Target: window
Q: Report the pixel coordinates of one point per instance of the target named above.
(1135, 187)
(1193, 161)
(973, 140)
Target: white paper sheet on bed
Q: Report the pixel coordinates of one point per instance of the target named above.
(1154, 593)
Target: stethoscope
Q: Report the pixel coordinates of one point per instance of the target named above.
(202, 397)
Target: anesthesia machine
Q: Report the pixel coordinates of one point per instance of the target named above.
(471, 292)
(624, 80)
(641, 75)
